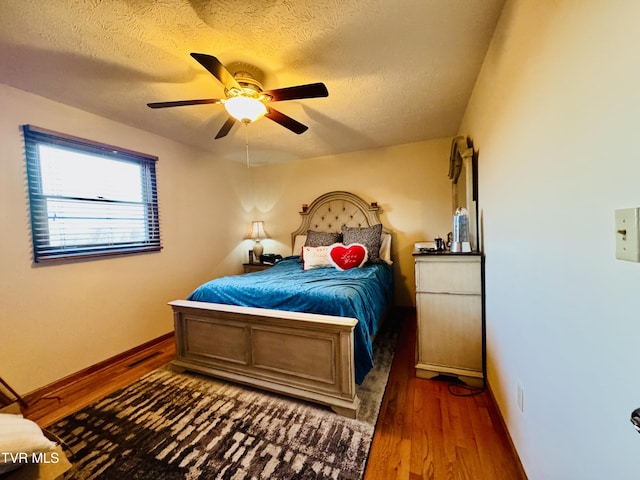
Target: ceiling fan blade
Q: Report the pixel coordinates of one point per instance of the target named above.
(311, 90)
(226, 128)
(181, 103)
(217, 69)
(286, 121)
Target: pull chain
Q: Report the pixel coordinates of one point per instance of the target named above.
(246, 136)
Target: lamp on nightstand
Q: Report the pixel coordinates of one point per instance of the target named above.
(257, 233)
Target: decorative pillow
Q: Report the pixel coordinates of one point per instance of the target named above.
(321, 239)
(346, 257)
(298, 244)
(370, 237)
(385, 248)
(21, 438)
(315, 257)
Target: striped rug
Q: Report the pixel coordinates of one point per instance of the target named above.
(172, 425)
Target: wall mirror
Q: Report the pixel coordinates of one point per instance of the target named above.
(463, 172)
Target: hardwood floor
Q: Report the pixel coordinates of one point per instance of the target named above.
(423, 432)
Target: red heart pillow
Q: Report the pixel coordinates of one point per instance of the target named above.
(346, 257)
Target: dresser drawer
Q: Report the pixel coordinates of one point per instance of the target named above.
(461, 276)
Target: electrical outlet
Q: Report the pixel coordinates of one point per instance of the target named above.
(520, 397)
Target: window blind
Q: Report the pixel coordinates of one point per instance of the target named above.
(89, 199)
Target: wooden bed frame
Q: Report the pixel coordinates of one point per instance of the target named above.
(303, 355)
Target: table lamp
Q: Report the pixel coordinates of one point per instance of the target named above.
(257, 233)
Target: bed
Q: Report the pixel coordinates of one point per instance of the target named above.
(301, 332)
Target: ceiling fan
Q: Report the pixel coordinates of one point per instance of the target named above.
(245, 100)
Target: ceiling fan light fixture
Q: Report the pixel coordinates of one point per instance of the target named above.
(245, 100)
(245, 109)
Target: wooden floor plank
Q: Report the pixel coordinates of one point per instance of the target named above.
(389, 458)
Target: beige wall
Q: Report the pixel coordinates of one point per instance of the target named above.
(409, 182)
(554, 116)
(58, 319)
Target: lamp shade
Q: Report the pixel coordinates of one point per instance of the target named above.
(258, 231)
(245, 109)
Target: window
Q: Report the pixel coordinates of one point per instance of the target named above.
(89, 199)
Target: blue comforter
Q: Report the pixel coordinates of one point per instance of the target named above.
(361, 293)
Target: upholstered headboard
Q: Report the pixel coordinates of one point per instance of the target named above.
(329, 212)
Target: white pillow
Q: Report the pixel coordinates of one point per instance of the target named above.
(19, 437)
(385, 248)
(298, 244)
(315, 257)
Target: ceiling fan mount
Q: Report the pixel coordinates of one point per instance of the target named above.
(249, 84)
(249, 88)
(246, 101)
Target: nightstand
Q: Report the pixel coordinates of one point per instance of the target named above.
(255, 267)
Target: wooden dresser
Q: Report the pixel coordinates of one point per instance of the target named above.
(449, 307)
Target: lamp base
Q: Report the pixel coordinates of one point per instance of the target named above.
(258, 250)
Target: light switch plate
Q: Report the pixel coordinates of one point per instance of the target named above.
(627, 238)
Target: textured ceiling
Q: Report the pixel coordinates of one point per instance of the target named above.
(397, 71)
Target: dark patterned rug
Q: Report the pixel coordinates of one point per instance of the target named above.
(171, 425)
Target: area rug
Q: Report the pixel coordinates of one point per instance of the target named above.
(172, 425)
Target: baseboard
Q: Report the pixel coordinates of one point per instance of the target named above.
(504, 427)
(60, 384)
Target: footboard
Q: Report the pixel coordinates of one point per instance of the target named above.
(308, 356)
